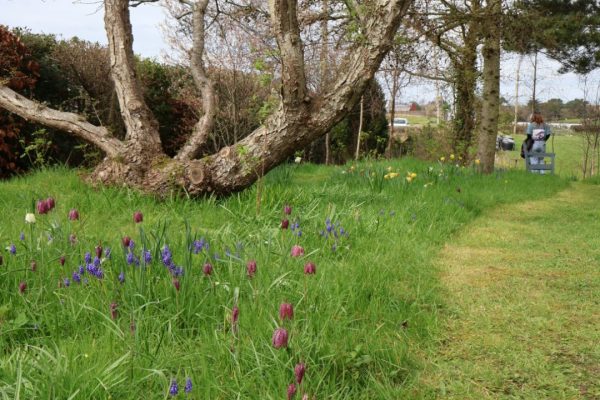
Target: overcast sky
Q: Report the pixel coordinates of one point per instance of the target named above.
(84, 19)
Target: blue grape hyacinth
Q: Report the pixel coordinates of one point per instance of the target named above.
(174, 388)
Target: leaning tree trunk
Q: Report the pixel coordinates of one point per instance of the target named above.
(139, 160)
(491, 89)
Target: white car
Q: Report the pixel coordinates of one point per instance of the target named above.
(400, 123)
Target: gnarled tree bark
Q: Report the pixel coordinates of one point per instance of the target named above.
(490, 102)
(139, 161)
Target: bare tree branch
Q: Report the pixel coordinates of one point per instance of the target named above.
(68, 122)
(284, 23)
(203, 128)
(135, 3)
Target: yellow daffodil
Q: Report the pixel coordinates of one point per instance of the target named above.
(477, 162)
(413, 175)
(452, 156)
(389, 169)
(442, 159)
(409, 179)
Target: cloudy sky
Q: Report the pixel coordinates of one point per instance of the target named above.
(84, 19)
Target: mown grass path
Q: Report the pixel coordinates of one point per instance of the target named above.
(523, 285)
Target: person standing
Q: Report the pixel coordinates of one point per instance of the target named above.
(539, 132)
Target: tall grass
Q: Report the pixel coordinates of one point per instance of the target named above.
(360, 323)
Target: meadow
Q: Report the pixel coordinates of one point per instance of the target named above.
(316, 283)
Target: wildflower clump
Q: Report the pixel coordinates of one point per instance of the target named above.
(391, 175)
(410, 176)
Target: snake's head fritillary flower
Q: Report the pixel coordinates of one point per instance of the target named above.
(62, 260)
(73, 214)
(138, 217)
(22, 287)
(305, 397)
(297, 251)
(286, 311)
(299, 370)
(98, 250)
(50, 203)
(310, 268)
(235, 314)
(280, 338)
(126, 240)
(287, 210)
(177, 284)
(30, 218)
(188, 385)
(174, 388)
(114, 310)
(42, 207)
(291, 391)
(72, 239)
(207, 269)
(251, 268)
(285, 223)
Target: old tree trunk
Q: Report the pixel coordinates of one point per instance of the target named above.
(301, 116)
(491, 88)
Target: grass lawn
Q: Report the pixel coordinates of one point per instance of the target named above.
(145, 317)
(524, 294)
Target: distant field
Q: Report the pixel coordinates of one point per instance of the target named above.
(418, 119)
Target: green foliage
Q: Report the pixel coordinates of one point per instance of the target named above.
(374, 130)
(567, 31)
(37, 150)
